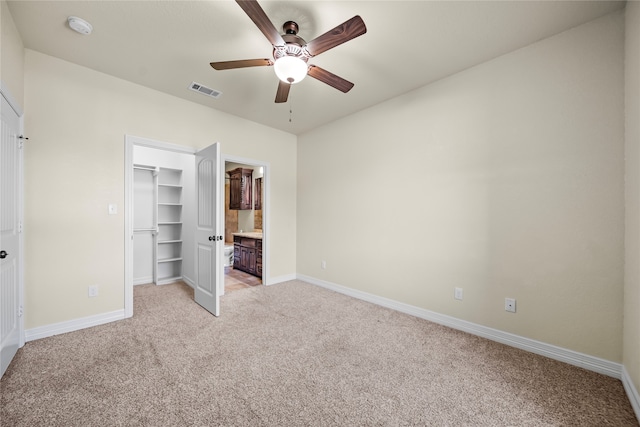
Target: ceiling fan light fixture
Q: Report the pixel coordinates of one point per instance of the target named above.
(290, 69)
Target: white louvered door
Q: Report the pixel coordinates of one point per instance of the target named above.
(208, 235)
(10, 165)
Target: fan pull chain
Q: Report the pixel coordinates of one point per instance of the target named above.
(290, 109)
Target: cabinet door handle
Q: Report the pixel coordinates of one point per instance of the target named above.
(3, 254)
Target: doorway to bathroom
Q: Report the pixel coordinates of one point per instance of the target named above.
(244, 215)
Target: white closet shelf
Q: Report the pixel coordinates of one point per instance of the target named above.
(167, 280)
(170, 260)
(169, 212)
(145, 168)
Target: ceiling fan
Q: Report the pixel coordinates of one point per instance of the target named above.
(291, 52)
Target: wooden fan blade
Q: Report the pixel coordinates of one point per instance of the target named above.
(262, 21)
(243, 63)
(329, 78)
(283, 92)
(344, 32)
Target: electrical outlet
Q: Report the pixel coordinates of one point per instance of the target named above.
(510, 305)
(457, 293)
(93, 291)
(323, 264)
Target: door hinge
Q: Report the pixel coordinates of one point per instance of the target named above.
(20, 311)
(19, 226)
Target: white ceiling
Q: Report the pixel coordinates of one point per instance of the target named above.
(165, 45)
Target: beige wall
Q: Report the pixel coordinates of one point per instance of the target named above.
(76, 120)
(505, 179)
(11, 57)
(631, 357)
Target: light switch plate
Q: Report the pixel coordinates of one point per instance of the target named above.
(93, 291)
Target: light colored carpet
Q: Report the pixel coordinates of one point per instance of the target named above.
(293, 354)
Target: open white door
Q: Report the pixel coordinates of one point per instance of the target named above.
(208, 235)
(10, 171)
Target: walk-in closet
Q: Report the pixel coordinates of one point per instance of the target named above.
(163, 192)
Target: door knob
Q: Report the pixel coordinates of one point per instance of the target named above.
(210, 238)
(3, 254)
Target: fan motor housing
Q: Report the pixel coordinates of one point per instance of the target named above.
(294, 39)
(290, 27)
(294, 43)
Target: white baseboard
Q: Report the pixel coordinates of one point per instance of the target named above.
(280, 279)
(571, 357)
(189, 282)
(142, 280)
(632, 392)
(72, 325)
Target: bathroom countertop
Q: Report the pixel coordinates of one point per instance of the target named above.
(249, 234)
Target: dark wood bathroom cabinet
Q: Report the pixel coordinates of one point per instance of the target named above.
(240, 186)
(247, 255)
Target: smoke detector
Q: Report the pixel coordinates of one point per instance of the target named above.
(79, 25)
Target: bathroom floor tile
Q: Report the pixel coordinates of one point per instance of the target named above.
(235, 280)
